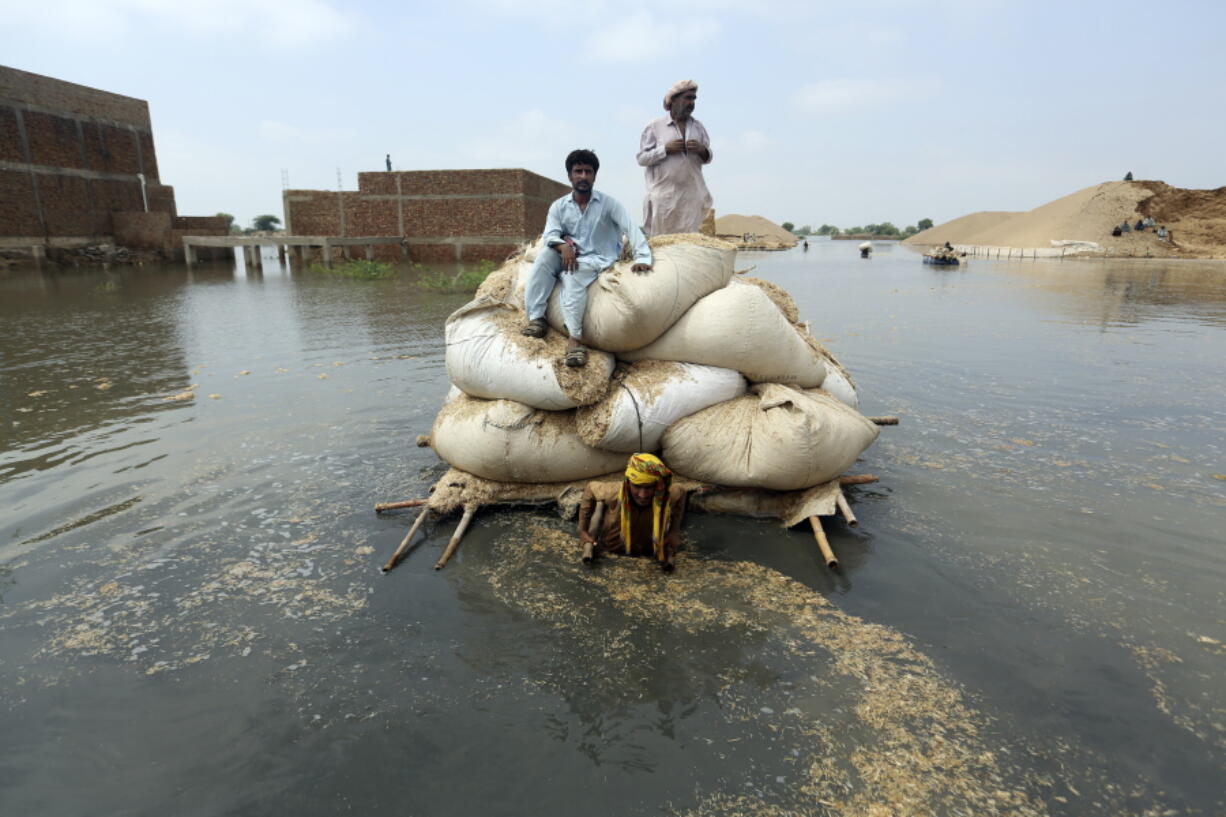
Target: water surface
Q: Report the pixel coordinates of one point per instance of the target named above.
(1029, 619)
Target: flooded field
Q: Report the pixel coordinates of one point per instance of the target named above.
(1030, 618)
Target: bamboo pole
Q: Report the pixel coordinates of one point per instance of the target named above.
(454, 544)
(845, 509)
(884, 421)
(859, 479)
(395, 506)
(404, 545)
(822, 544)
(593, 529)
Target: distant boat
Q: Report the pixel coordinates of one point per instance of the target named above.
(941, 260)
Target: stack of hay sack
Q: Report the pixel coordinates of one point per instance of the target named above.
(711, 370)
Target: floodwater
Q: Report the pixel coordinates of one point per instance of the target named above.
(1029, 618)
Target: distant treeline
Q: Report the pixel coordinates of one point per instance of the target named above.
(883, 230)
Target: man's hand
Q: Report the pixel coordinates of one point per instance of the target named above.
(675, 146)
(641, 268)
(694, 146)
(570, 261)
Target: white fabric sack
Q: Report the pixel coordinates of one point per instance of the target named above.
(839, 385)
(739, 327)
(627, 310)
(776, 437)
(651, 396)
(488, 357)
(510, 442)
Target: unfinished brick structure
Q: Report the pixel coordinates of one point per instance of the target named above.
(443, 215)
(71, 159)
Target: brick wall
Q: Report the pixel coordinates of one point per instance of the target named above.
(69, 156)
(448, 215)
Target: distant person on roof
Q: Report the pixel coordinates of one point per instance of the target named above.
(673, 150)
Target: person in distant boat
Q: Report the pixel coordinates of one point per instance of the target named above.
(642, 515)
(672, 151)
(583, 238)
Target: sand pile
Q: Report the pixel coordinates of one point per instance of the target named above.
(1196, 219)
(955, 231)
(753, 232)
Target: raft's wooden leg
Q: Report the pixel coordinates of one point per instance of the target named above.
(884, 421)
(454, 544)
(845, 509)
(395, 506)
(404, 545)
(860, 479)
(593, 529)
(822, 544)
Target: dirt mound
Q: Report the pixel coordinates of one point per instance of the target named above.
(1196, 219)
(952, 231)
(760, 231)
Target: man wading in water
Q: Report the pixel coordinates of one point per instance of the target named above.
(583, 235)
(641, 518)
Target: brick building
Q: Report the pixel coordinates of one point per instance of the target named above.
(72, 160)
(443, 215)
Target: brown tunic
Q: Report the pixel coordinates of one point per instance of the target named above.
(609, 537)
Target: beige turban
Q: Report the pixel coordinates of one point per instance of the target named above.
(679, 88)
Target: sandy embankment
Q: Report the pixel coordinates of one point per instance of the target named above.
(763, 233)
(1196, 219)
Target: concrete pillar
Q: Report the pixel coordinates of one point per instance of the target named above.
(38, 252)
(327, 253)
(189, 253)
(281, 253)
(370, 252)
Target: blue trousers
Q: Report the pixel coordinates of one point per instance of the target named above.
(546, 272)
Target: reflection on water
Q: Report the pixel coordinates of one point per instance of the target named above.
(1028, 619)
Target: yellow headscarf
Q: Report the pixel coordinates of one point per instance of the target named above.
(647, 469)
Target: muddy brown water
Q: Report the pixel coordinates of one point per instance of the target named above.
(1029, 619)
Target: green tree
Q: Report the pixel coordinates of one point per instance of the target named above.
(229, 221)
(789, 226)
(265, 223)
(924, 224)
(910, 230)
(828, 229)
(805, 230)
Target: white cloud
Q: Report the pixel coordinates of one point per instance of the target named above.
(641, 36)
(282, 23)
(844, 93)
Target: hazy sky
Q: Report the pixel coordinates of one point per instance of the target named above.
(841, 113)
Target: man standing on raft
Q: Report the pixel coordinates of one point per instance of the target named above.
(673, 150)
(583, 235)
(642, 517)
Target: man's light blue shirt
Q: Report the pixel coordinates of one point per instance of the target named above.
(597, 232)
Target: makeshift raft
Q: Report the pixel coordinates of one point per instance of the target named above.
(460, 492)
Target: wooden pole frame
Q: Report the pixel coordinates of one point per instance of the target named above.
(454, 544)
(823, 544)
(404, 545)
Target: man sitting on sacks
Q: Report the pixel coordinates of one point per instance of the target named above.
(641, 518)
(583, 235)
